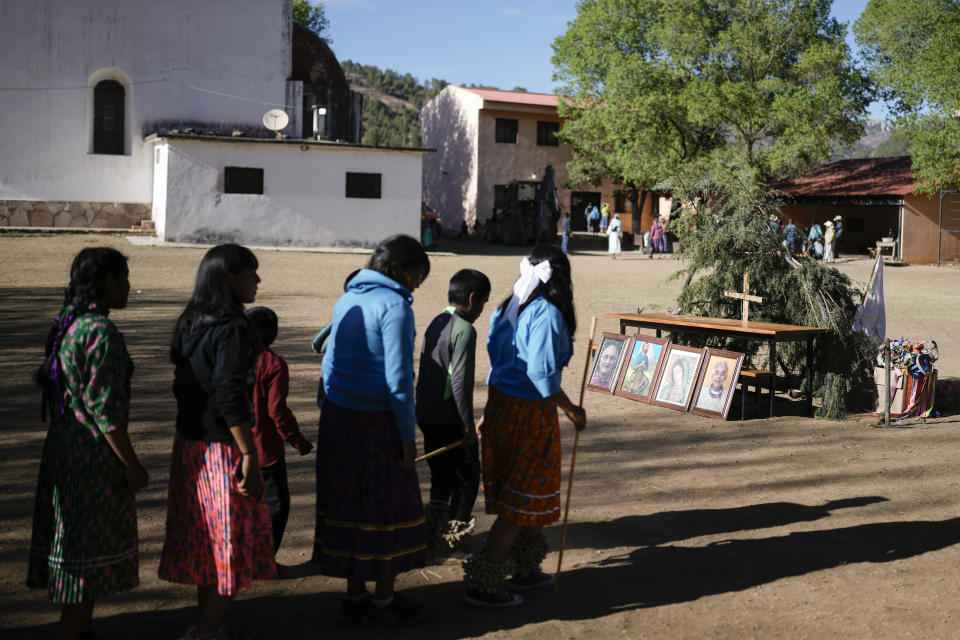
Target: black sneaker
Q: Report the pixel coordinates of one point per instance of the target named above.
(532, 581)
(400, 612)
(352, 611)
(503, 598)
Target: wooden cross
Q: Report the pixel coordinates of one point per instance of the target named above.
(744, 297)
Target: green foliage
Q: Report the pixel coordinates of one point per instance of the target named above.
(312, 16)
(656, 84)
(392, 103)
(732, 228)
(911, 49)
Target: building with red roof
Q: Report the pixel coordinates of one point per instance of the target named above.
(875, 198)
(486, 138)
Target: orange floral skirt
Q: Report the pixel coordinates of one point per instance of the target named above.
(521, 460)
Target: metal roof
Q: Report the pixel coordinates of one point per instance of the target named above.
(858, 177)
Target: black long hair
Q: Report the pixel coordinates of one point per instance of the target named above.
(212, 295)
(397, 254)
(558, 290)
(88, 272)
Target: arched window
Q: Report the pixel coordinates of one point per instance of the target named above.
(108, 116)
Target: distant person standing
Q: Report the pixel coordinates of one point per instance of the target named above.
(656, 237)
(815, 238)
(604, 217)
(790, 236)
(614, 234)
(838, 236)
(829, 237)
(594, 219)
(566, 233)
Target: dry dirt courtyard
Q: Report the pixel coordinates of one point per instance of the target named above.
(680, 526)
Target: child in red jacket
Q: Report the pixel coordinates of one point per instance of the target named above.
(273, 421)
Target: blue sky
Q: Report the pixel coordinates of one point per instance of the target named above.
(499, 43)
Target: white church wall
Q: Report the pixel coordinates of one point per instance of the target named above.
(304, 193)
(217, 62)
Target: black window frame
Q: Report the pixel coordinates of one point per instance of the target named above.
(548, 133)
(364, 185)
(109, 118)
(619, 201)
(506, 130)
(243, 180)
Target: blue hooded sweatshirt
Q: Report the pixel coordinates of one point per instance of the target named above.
(368, 365)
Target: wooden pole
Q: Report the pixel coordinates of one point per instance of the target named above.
(886, 381)
(436, 452)
(573, 457)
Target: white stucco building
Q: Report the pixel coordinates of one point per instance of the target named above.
(116, 111)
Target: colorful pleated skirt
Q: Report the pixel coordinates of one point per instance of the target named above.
(370, 523)
(84, 543)
(521, 459)
(215, 535)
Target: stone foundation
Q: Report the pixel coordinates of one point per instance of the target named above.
(101, 215)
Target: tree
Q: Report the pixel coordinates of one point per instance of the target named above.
(726, 230)
(311, 16)
(911, 49)
(655, 85)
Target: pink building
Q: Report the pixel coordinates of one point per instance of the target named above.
(485, 138)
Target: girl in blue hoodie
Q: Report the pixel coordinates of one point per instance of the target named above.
(370, 524)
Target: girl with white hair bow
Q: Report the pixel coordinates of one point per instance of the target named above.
(530, 342)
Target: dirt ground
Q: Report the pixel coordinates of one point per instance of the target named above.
(680, 526)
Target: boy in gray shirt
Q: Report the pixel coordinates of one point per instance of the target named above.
(445, 412)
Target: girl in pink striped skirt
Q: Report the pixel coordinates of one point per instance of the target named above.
(218, 533)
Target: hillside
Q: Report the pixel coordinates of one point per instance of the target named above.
(879, 139)
(391, 103)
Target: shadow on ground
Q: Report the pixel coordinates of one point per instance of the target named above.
(649, 576)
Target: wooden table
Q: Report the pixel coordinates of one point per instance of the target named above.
(887, 244)
(770, 332)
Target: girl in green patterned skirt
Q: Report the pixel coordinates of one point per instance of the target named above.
(84, 544)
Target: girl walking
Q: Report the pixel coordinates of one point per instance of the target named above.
(218, 533)
(370, 524)
(84, 543)
(530, 342)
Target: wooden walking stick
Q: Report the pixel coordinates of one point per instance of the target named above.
(573, 458)
(436, 452)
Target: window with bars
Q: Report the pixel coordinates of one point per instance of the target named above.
(108, 117)
(507, 130)
(619, 202)
(548, 134)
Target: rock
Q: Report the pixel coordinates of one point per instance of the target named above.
(101, 220)
(19, 218)
(55, 207)
(40, 218)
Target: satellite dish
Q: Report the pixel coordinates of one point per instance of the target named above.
(275, 120)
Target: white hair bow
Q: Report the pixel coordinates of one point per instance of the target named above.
(530, 278)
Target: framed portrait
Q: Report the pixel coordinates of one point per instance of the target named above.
(603, 375)
(677, 378)
(642, 359)
(718, 379)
